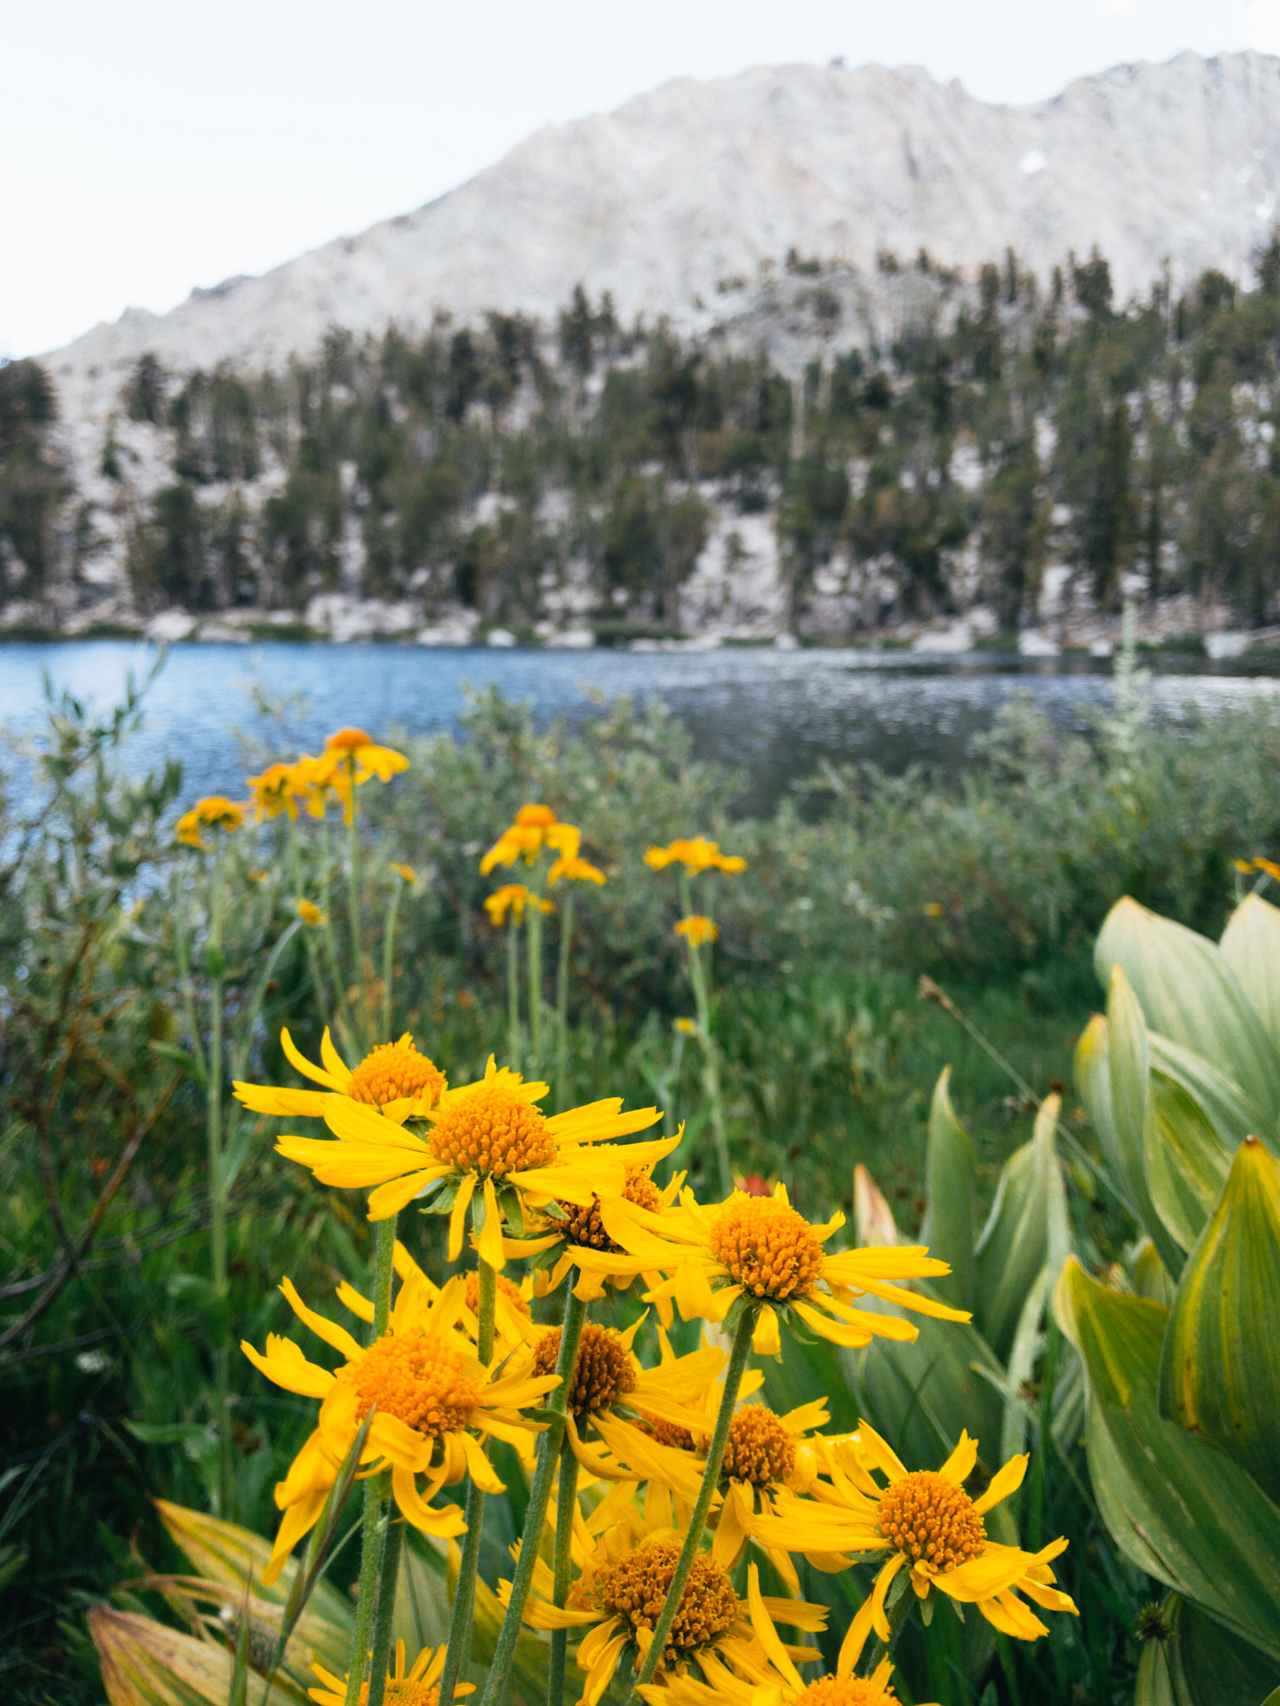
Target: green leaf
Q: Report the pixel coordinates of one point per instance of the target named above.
(1187, 1162)
(1127, 1107)
(1190, 994)
(1219, 1374)
(949, 1188)
(921, 1394)
(1197, 1663)
(1022, 1360)
(1176, 1506)
(1251, 947)
(1229, 1111)
(1026, 1228)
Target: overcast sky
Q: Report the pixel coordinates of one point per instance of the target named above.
(148, 147)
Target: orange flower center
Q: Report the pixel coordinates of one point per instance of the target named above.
(584, 1226)
(491, 1131)
(932, 1521)
(347, 740)
(845, 1691)
(759, 1449)
(767, 1248)
(393, 1070)
(668, 1433)
(603, 1371)
(417, 1378)
(401, 1691)
(636, 1586)
(535, 817)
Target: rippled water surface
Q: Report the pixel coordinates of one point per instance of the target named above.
(774, 714)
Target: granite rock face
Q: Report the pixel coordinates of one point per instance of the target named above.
(683, 194)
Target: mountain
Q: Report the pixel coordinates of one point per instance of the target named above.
(696, 185)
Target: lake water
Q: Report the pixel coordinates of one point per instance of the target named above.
(774, 714)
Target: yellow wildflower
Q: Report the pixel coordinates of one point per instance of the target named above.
(614, 1602)
(437, 1405)
(396, 1078)
(929, 1526)
(351, 757)
(565, 1230)
(575, 870)
(618, 1409)
(686, 1027)
(416, 1685)
(696, 855)
(697, 930)
(310, 913)
(276, 789)
(535, 827)
(772, 1678)
(933, 909)
(760, 1250)
(214, 811)
(1271, 868)
(513, 898)
(488, 1137)
(256, 874)
(405, 872)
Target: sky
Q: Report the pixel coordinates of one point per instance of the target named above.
(147, 148)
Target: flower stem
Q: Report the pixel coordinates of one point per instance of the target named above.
(376, 1489)
(562, 1001)
(373, 1537)
(464, 1593)
(513, 993)
(384, 1245)
(566, 1505)
(353, 897)
(389, 962)
(217, 1177)
(698, 977)
(535, 984)
(738, 1354)
(384, 1615)
(535, 1515)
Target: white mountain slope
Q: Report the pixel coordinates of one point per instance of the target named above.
(698, 182)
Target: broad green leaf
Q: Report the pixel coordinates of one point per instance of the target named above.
(949, 1190)
(1251, 947)
(1128, 1051)
(1187, 1162)
(1175, 1505)
(1219, 1374)
(1190, 994)
(1026, 1228)
(1224, 1103)
(1197, 1663)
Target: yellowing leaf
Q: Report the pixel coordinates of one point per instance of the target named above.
(1219, 1374)
(1177, 1506)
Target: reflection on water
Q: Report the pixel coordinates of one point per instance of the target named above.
(773, 714)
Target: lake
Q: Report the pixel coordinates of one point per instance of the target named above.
(775, 714)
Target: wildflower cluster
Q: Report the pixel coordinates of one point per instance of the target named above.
(678, 1488)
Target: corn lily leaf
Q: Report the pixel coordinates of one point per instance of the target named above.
(1189, 993)
(1251, 947)
(1026, 1228)
(1219, 1374)
(1174, 1504)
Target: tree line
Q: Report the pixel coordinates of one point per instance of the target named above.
(995, 427)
